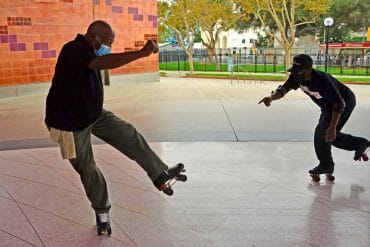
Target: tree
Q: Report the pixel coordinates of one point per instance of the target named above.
(264, 41)
(284, 16)
(215, 16)
(349, 16)
(164, 34)
(163, 31)
(177, 15)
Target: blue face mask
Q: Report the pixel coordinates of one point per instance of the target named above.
(103, 50)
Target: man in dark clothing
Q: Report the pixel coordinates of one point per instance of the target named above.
(74, 111)
(336, 101)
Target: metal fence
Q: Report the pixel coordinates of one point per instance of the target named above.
(265, 60)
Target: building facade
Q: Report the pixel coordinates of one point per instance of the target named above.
(32, 33)
(235, 39)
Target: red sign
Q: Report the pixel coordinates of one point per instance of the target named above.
(347, 45)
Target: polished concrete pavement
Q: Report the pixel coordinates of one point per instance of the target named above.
(246, 165)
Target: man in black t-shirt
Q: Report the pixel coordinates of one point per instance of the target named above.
(74, 111)
(336, 101)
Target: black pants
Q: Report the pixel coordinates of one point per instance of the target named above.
(342, 141)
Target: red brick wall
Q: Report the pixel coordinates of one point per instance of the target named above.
(32, 32)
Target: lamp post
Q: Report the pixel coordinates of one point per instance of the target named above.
(327, 22)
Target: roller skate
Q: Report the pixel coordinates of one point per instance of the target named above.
(168, 178)
(103, 224)
(361, 154)
(315, 173)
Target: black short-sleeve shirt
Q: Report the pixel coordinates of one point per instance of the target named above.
(75, 98)
(323, 89)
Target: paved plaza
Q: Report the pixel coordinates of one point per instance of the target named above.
(246, 166)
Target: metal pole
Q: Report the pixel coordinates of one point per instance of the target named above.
(178, 62)
(166, 59)
(93, 10)
(237, 61)
(255, 62)
(205, 63)
(326, 47)
(220, 57)
(104, 73)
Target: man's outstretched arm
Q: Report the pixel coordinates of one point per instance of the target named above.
(115, 60)
(278, 93)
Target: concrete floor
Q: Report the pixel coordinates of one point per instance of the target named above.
(246, 165)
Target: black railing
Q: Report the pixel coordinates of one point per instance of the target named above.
(264, 60)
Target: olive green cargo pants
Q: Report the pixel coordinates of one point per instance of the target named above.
(124, 137)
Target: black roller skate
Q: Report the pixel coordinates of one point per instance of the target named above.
(361, 154)
(315, 173)
(103, 224)
(168, 178)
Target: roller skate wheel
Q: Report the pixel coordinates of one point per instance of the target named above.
(168, 191)
(365, 157)
(182, 177)
(316, 178)
(330, 177)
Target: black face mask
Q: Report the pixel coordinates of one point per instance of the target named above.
(299, 78)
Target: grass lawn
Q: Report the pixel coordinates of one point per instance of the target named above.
(272, 77)
(268, 68)
(228, 76)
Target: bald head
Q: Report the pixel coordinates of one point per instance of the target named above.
(100, 32)
(99, 27)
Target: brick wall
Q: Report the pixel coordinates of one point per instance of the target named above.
(32, 32)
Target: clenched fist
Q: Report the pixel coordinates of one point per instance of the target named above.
(150, 47)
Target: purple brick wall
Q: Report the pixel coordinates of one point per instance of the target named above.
(17, 47)
(4, 39)
(12, 38)
(134, 11)
(117, 9)
(154, 19)
(40, 46)
(48, 54)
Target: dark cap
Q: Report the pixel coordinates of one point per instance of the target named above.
(301, 62)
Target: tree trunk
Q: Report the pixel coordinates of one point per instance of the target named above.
(216, 59)
(287, 58)
(211, 55)
(191, 65)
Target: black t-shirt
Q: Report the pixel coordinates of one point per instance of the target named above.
(323, 89)
(75, 99)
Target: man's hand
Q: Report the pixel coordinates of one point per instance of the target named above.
(267, 101)
(331, 134)
(150, 47)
